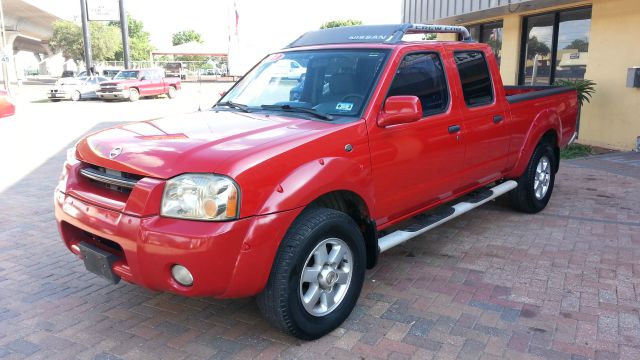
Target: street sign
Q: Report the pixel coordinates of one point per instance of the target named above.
(103, 10)
(4, 58)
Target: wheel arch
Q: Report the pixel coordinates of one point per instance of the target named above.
(354, 205)
(545, 127)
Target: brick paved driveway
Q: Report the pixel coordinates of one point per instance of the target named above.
(563, 284)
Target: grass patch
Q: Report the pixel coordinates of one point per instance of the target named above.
(574, 151)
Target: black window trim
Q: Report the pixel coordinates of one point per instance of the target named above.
(486, 64)
(446, 81)
(524, 36)
(481, 29)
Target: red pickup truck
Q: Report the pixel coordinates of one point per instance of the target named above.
(292, 200)
(134, 84)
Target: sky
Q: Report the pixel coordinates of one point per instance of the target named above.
(264, 25)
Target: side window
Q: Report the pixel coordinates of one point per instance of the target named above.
(475, 78)
(422, 75)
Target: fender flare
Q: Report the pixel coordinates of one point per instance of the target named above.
(315, 178)
(545, 121)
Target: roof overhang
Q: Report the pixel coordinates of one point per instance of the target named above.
(452, 12)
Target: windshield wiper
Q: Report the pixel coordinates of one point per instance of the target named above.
(290, 108)
(233, 105)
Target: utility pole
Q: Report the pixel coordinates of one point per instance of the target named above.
(85, 35)
(5, 72)
(124, 28)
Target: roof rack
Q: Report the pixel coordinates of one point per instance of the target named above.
(380, 34)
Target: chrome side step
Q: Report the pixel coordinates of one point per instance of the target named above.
(425, 223)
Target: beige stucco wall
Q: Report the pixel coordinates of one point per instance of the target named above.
(612, 119)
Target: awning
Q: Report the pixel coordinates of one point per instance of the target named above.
(193, 49)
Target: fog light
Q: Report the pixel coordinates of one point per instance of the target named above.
(182, 275)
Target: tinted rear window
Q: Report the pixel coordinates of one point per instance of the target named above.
(475, 78)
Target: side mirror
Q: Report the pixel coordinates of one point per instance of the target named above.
(143, 78)
(400, 110)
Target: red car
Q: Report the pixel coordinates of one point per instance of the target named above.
(134, 84)
(7, 108)
(292, 200)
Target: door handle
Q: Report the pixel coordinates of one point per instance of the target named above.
(497, 119)
(454, 129)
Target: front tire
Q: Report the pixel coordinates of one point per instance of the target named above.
(317, 274)
(134, 95)
(75, 96)
(536, 184)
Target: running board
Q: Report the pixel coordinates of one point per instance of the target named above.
(425, 223)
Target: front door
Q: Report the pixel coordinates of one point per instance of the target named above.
(416, 164)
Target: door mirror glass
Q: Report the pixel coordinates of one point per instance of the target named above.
(401, 109)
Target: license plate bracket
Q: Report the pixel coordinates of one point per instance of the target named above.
(99, 261)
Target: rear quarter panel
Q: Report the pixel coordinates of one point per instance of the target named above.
(531, 119)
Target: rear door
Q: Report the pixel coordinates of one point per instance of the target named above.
(485, 118)
(417, 164)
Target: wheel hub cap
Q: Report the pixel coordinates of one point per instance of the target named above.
(542, 178)
(326, 277)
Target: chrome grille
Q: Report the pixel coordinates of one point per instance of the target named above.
(111, 179)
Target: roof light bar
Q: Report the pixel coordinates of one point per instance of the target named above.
(378, 34)
(424, 29)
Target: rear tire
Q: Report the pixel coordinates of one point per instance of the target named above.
(317, 274)
(134, 95)
(536, 184)
(172, 92)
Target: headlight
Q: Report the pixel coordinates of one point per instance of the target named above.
(71, 156)
(201, 197)
(120, 87)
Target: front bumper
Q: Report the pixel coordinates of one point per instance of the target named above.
(119, 94)
(226, 259)
(58, 95)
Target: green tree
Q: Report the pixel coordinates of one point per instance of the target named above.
(578, 44)
(67, 38)
(186, 36)
(340, 23)
(534, 46)
(139, 43)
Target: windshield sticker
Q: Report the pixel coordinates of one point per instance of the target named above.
(344, 106)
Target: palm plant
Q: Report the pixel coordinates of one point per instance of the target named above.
(585, 88)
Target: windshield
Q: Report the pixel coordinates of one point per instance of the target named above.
(334, 82)
(126, 75)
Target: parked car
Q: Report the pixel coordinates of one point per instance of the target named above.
(134, 84)
(7, 107)
(293, 200)
(79, 88)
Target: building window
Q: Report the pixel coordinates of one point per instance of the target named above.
(474, 77)
(555, 46)
(489, 33)
(422, 75)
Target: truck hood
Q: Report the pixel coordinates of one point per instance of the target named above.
(197, 142)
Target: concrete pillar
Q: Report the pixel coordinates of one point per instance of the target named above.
(511, 38)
